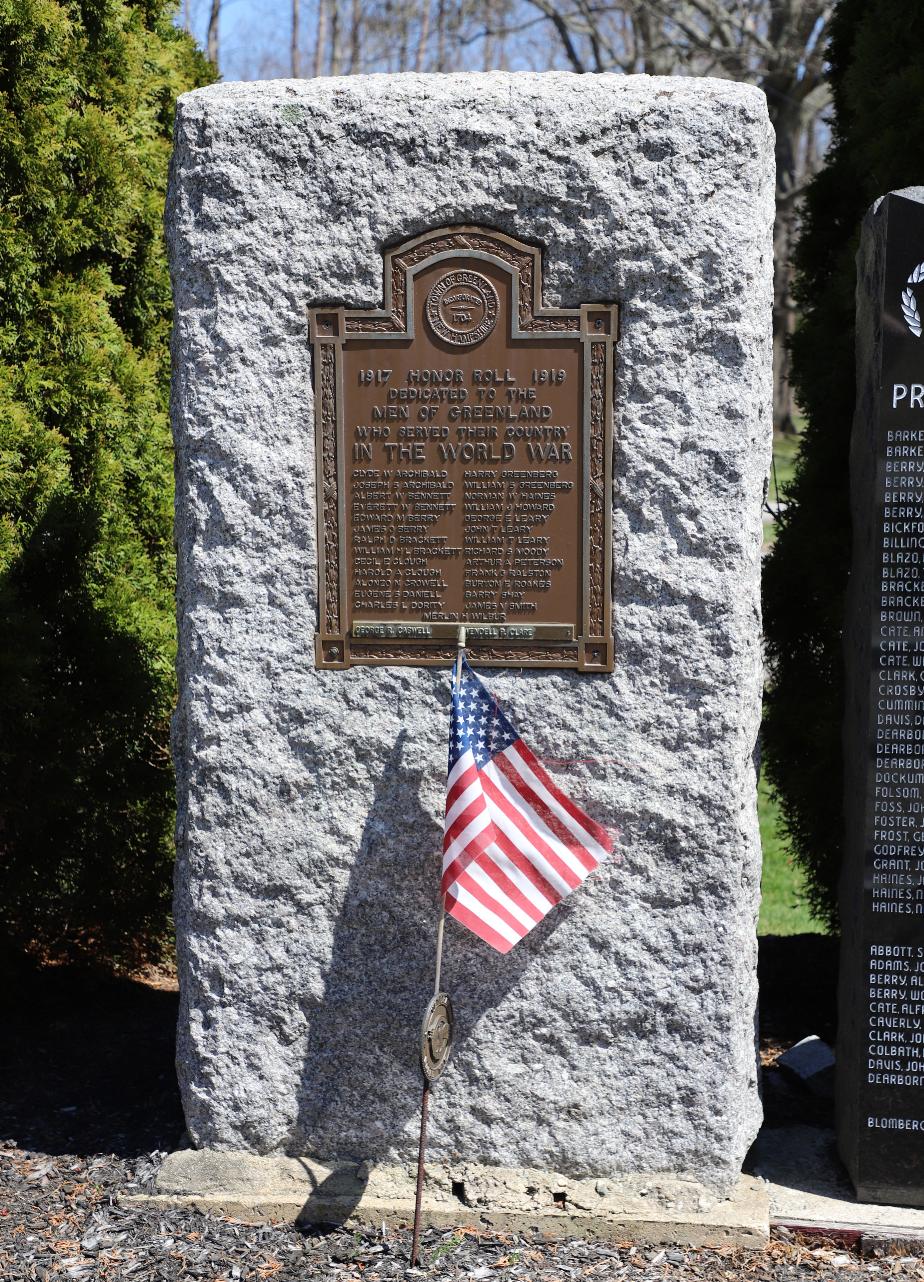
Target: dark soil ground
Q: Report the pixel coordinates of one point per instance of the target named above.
(89, 1105)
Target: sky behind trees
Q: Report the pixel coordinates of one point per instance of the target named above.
(255, 38)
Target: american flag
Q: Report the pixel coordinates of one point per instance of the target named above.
(513, 843)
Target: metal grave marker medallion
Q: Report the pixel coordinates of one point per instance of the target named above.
(464, 462)
(436, 1036)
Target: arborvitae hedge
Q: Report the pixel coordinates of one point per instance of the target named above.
(877, 78)
(86, 476)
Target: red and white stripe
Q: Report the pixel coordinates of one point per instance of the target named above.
(513, 845)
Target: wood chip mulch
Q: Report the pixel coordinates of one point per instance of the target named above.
(60, 1219)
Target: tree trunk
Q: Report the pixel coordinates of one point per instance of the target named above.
(454, 17)
(786, 116)
(441, 35)
(424, 36)
(784, 321)
(296, 35)
(487, 13)
(403, 20)
(335, 52)
(211, 39)
(356, 23)
(320, 38)
(500, 36)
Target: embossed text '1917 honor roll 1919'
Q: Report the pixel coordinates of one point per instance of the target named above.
(464, 449)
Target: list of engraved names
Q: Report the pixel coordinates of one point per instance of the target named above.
(895, 864)
(463, 490)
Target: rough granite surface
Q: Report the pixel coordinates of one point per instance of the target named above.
(619, 1036)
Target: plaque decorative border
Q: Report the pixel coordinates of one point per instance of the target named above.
(597, 328)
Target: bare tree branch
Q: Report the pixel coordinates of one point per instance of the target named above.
(561, 26)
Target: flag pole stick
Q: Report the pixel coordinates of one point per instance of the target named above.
(425, 1096)
(456, 685)
(421, 1149)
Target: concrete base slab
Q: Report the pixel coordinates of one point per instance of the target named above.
(657, 1208)
(809, 1187)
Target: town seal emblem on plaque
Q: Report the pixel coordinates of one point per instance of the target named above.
(462, 308)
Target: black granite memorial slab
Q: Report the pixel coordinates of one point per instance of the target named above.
(880, 1093)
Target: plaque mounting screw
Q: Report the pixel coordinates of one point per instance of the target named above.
(598, 323)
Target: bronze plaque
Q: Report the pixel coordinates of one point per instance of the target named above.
(464, 460)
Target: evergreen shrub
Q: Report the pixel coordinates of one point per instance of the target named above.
(877, 80)
(87, 89)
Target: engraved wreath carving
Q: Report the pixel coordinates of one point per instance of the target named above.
(910, 309)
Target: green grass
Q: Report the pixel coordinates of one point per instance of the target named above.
(783, 910)
(785, 453)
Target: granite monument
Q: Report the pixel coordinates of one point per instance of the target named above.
(619, 1035)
